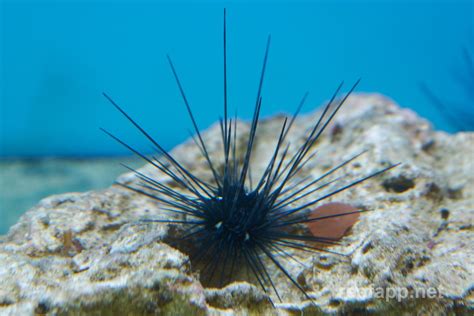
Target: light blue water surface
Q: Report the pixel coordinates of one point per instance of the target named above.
(58, 56)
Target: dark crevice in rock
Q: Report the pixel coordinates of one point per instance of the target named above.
(398, 184)
(455, 193)
(444, 213)
(367, 247)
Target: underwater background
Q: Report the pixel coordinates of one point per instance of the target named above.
(57, 57)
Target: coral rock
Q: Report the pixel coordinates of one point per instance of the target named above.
(413, 251)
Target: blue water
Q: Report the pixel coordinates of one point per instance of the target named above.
(58, 56)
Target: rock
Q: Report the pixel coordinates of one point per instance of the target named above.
(88, 253)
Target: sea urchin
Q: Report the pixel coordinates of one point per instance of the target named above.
(232, 223)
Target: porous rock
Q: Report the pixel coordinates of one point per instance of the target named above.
(413, 252)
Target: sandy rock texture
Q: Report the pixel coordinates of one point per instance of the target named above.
(88, 253)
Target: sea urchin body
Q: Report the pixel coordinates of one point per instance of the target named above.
(232, 223)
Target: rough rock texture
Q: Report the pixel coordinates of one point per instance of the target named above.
(86, 253)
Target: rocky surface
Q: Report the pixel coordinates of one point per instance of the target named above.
(87, 253)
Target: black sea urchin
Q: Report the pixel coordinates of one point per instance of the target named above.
(231, 223)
